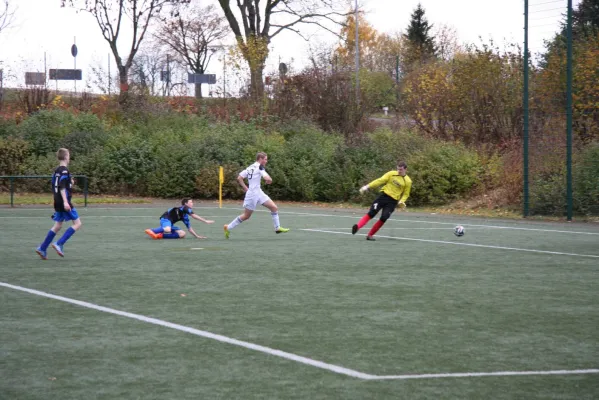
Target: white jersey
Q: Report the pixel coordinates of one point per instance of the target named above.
(253, 174)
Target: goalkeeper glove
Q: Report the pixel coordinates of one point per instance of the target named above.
(401, 204)
(363, 189)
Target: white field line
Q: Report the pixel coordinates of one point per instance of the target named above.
(123, 207)
(480, 374)
(289, 356)
(197, 332)
(387, 228)
(331, 215)
(458, 243)
(443, 223)
(115, 216)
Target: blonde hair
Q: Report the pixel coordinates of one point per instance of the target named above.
(61, 154)
(260, 156)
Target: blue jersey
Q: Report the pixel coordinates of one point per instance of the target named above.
(177, 214)
(61, 180)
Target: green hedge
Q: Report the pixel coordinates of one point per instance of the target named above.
(177, 155)
(548, 191)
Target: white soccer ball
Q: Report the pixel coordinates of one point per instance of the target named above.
(459, 230)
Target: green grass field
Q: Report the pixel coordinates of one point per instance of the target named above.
(312, 314)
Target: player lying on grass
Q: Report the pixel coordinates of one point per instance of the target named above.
(64, 211)
(395, 191)
(168, 230)
(254, 195)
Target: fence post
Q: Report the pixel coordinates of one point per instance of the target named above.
(85, 191)
(525, 100)
(11, 179)
(569, 114)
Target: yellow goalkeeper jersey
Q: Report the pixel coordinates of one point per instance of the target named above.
(395, 185)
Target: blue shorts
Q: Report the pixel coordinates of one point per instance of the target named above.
(166, 223)
(61, 216)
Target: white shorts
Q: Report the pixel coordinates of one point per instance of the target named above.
(251, 200)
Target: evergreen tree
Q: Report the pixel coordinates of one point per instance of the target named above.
(422, 46)
(585, 19)
(585, 25)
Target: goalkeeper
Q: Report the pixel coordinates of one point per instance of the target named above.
(395, 191)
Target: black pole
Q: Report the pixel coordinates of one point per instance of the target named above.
(569, 115)
(525, 193)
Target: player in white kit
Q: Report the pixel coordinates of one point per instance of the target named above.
(254, 194)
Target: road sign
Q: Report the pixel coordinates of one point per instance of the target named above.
(66, 74)
(201, 78)
(74, 50)
(35, 78)
(282, 68)
(165, 76)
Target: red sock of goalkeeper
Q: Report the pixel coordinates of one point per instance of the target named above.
(363, 221)
(376, 227)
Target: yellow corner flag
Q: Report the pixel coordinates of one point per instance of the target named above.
(221, 180)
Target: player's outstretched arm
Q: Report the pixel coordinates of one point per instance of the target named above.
(377, 182)
(206, 221)
(190, 229)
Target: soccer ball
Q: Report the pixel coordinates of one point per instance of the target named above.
(458, 230)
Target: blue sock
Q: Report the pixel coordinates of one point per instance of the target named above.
(158, 230)
(47, 240)
(172, 235)
(70, 232)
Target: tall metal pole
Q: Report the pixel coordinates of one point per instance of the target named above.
(397, 80)
(108, 74)
(525, 194)
(168, 75)
(357, 59)
(75, 62)
(569, 114)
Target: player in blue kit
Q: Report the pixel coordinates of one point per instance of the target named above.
(168, 230)
(63, 208)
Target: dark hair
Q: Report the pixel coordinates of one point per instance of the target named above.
(184, 201)
(402, 164)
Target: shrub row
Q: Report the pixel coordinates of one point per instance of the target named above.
(175, 156)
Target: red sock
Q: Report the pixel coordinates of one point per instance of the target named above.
(363, 221)
(376, 227)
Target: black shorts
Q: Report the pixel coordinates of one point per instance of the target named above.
(383, 202)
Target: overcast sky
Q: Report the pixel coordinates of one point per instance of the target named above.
(43, 26)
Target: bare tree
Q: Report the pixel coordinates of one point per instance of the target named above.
(446, 41)
(191, 37)
(100, 78)
(7, 14)
(109, 16)
(261, 24)
(147, 72)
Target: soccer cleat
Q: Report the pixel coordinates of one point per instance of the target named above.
(354, 229)
(41, 253)
(227, 233)
(281, 230)
(58, 249)
(368, 237)
(153, 235)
